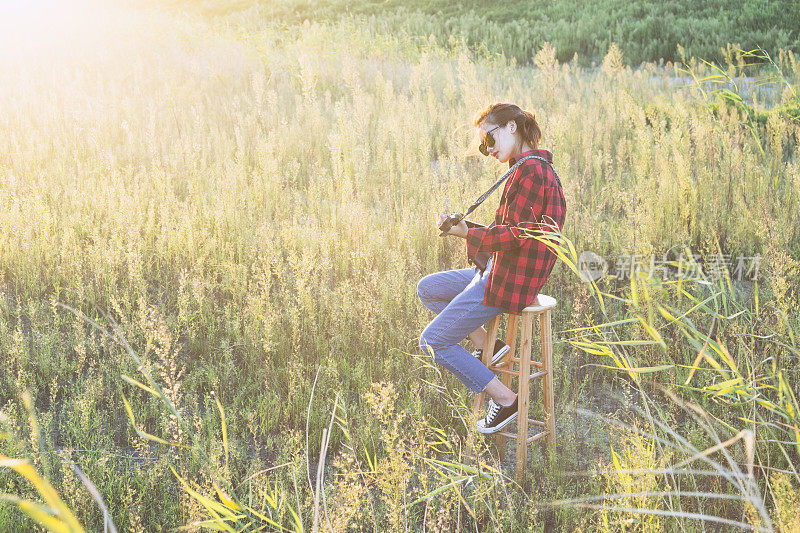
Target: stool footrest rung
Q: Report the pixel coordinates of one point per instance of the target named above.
(537, 436)
(535, 375)
(531, 421)
(532, 438)
(518, 360)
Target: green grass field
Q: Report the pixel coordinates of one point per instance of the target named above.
(232, 207)
(645, 30)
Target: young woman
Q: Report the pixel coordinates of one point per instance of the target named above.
(465, 299)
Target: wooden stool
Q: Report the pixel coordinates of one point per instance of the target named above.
(541, 307)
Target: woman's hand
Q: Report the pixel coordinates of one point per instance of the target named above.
(459, 230)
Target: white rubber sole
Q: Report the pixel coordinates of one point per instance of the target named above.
(499, 355)
(489, 431)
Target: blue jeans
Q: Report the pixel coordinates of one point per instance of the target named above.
(456, 296)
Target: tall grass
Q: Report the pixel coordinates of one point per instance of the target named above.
(735, 367)
(252, 202)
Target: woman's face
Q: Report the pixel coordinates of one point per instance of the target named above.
(505, 140)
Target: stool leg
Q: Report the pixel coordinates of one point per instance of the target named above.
(523, 395)
(491, 336)
(547, 365)
(511, 340)
(486, 358)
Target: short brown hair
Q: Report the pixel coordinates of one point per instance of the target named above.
(502, 114)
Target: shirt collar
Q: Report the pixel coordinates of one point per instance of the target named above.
(541, 153)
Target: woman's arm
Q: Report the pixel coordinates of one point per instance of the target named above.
(529, 203)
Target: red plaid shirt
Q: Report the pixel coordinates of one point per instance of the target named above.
(520, 266)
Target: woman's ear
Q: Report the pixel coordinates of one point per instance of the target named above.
(512, 126)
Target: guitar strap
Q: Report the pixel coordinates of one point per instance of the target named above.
(505, 176)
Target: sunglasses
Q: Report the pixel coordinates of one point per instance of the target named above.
(487, 142)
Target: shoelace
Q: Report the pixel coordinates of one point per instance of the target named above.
(494, 410)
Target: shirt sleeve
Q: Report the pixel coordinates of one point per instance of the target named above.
(528, 203)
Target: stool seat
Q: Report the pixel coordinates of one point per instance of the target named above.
(541, 303)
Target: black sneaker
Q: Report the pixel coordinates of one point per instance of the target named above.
(500, 349)
(497, 417)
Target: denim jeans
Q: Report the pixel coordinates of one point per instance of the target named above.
(456, 296)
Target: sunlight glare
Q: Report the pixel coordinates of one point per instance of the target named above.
(42, 29)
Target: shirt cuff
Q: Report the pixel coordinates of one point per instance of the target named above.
(474, 240)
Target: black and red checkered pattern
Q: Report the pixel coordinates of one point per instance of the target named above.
(520, 265)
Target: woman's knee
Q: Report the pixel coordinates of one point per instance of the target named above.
(422, 288)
